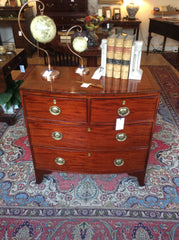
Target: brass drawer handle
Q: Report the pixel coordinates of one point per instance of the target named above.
(54, 110)
(123, 111)
(57, 135)
(118, 162)
(59, 161)
(121, 137)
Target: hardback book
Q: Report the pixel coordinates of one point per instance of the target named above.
(110, 55)
(127, 47)
(118, 51)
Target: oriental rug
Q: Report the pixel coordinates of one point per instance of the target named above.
(171, 57)
(92, 207)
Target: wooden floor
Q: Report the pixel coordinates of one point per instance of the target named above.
(150, 59)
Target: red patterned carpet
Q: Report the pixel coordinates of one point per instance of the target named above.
(94, 207)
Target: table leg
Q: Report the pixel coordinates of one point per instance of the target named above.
(148, 43)
(164, 41)
(177, 60)
(137, 33)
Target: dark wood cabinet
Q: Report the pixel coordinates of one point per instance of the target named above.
(72, 129)
(66, 13)
(8, 18)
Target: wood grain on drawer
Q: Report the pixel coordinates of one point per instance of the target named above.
(90, 162)
(106, 110)
(71, 110)
(84, 137)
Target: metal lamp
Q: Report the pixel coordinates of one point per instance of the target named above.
(43, 30)
(79, 45)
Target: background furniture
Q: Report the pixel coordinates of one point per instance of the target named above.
(126, 24)
(10, 62)
(61, 56)
(165, 27)
(65, 13)
(72, 129)
(8, 18)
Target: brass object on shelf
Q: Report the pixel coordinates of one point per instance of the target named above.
(57, 135)
(121, 137)
(123, 111)
(54, 110)
(59, 161)
(118, 162)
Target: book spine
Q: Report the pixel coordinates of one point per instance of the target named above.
(118, 51)
(110, 55)
(128, 41)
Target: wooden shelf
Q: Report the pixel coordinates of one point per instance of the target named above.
(165, 13)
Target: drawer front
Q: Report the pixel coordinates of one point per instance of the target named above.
(90, 162)
(83, 137)
(135, 109)
(59, 109)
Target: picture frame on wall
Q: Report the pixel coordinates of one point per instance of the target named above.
(116, 13)
(110, 2)
(107, 12)
(100, 12)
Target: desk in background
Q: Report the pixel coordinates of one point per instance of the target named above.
(165, 27)
(127, 24)
(8, 63)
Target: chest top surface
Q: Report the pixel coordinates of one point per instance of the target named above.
(70, 83)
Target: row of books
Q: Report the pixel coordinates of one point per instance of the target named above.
(118, 55)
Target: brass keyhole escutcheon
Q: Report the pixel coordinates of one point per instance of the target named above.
(123, 111)
(59, 161)
(54, 110)
(118, 162)
(57, 135)
(121, 137)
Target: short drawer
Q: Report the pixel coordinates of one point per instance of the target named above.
(84, 137)
(133, 109)
(90, 162)
(59, 109)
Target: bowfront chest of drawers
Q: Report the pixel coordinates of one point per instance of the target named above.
(73, 129)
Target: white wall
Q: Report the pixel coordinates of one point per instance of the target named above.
(144, 13)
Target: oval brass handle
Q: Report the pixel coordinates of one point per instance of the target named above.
(123, 111)
(121, 137)
(59, 161)
(54, 110)
(57, 135)
(118, 162)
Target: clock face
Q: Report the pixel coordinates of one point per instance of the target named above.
(43, 29)
(79, 44)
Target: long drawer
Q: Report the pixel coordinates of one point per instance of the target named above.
(59, 109)
(84, 137)
(133, 109)
(90, 162)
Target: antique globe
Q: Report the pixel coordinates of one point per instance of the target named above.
(80, 44)
(43, 29)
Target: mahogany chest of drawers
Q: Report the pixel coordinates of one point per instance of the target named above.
(73, 129)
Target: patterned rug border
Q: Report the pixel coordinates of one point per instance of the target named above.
(171, 108)
(84, 212)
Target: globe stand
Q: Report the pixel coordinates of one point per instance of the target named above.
(49, 74)
(79, 45)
